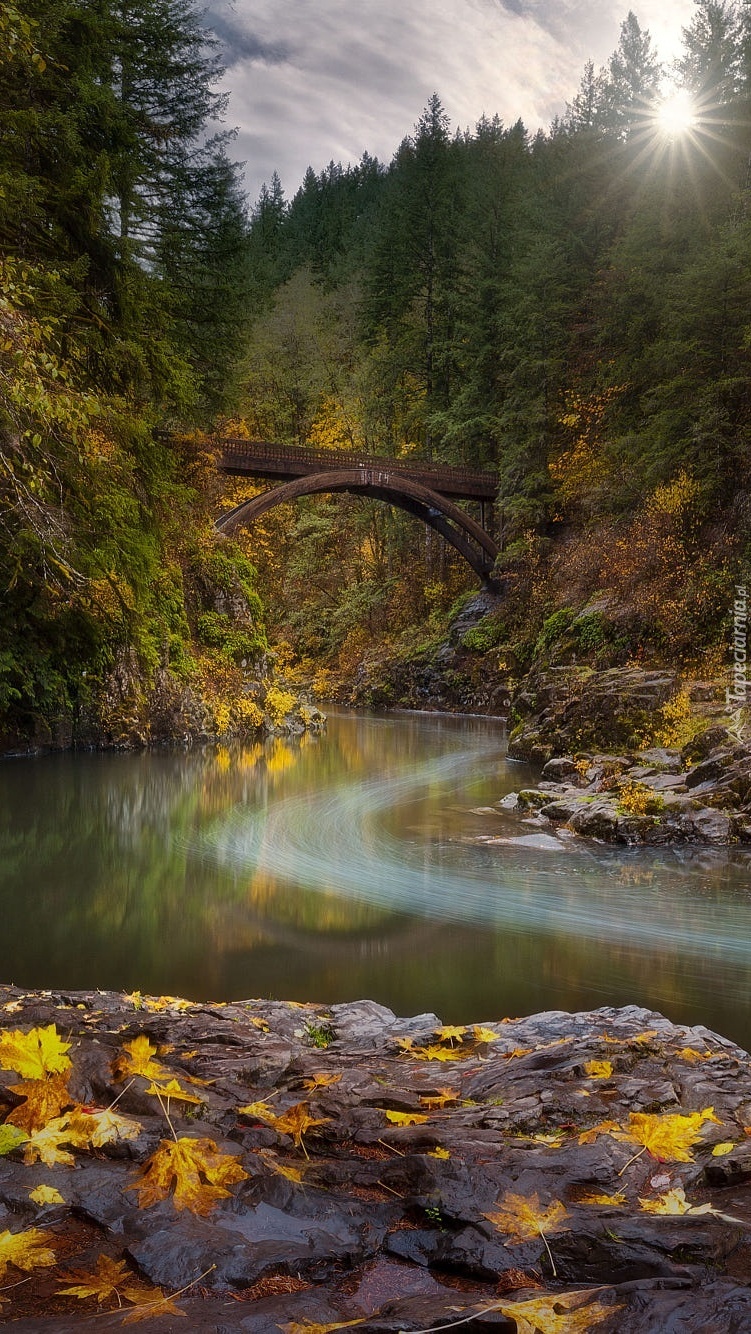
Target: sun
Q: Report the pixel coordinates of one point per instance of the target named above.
(676, 114)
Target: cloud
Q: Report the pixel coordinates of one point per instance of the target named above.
(331, 80)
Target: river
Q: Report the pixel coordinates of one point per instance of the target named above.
(369, 861)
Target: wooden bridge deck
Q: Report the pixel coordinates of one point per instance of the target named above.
(258, 458)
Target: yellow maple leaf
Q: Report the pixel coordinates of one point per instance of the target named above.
(691, 1055)
(295, 1174)
(12, 1007)
(297, 1121)
(646, 1036)
(320, 1082)
(482, 1034)
(261, 1110)
(259, 1023)
(595, 1197)
(406, 1118)
(136, 1058)
(45, 1145)
(437, 1053)
(172, 1089)
(450, 1032)
(35, 1054)
(43, 1100)
(112, 1280)
(195, 1169)
(517, 1052)
(560, 1313)
(159, 1003)
(720, 1150)
(598, 1069)
(522, 1217)
(26, 1250)
(406, 1044)
(439, 1152)
(668, 1136)
(98, 1128)
(46, 1195)
(440, 1099)
(602, 1128)
(295, 1327)
(674, 1202)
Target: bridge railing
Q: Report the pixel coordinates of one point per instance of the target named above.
(260, 451)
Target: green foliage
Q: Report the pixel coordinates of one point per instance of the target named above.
(487, 634)
(553, 628)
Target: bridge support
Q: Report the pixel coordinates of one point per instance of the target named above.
(467, 536)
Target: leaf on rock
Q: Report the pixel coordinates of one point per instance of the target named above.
(674, 1203)
(136, 1059)
(46, 1195)
(482, 1034)
(45, 1145)
(26, 1250)
(440, 1099)
(35, 1054)
(438, 1053)
(561, 1313)
(720, 1150)
(261, 1110)
(602, 1128)
(451, 1032)
(522, 1217)
(44, 1100)
(321, 1081)
(406, 1118)
(691, 1055)
(98, 1128)
(197, 1171)
(439, 1152)
(259, 1023)
(598, 1069)
(668, 1136)
(173, 1089)
(297, 1121)
(295, 1327)
(615, 1201)
(10, 1138)
(517, 1052)
(113, 1281)
(295, 1174)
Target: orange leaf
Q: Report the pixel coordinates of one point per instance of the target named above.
(196, 1168)
(521, 1217)
(44, 1099)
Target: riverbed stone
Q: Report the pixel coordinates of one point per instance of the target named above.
(382, 1209)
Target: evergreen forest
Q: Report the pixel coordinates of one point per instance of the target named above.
(569, 309)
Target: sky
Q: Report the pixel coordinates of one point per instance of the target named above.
(316, 80)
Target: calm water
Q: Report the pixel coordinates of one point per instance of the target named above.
(367, 862)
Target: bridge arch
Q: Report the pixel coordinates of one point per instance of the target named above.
(458, 528)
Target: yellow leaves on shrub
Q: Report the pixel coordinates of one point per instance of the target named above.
(667, 1136)
(561, 1313)
(26, 1250)
(598, 1069)
(522, 1217)
(113, 1281)
(674, 1203)
(35, 1054)
(194, 1171)
(406, 1118)
(43, 1100)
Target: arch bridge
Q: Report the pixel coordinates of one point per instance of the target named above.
(426, 490)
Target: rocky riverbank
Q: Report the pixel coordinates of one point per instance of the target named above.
(262, 1166)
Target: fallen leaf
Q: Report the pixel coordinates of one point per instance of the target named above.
(45, 1145)
(439, 1152)
(436, 1053)
(46, 1195)
(523, 1217)
(113, 1281)
(44, 1099)
(406, 1118)
(98, 1128)
(440, 1099)
(197, 1170)
(674, 1203)
(295, 1174)
(136, 1058)
(561, 1313)
(451, 1032)
(482, 1034)
(261, 1110)
(322, 1081)
(406, 1044)
(517, 1053)
(297, 1121)
(645, 1036)
(26, 1250)
(10, 1138)
(35, 1054)
(668, 1136)
(720, 1150)
(691, 1055)
(12, 1007)
(259, 1023)
(614, 1200)
(294, 1326)
(602, 1128)
(172, 1089)
(598, 1069)
(159, 1003)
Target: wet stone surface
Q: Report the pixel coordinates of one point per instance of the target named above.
(363, 1168)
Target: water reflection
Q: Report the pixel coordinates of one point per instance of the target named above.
(370, 861)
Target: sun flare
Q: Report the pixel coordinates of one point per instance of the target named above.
(676, 114)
